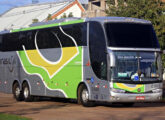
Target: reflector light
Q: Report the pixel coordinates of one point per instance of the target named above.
(38, 83)
(97, 86)
(5, 82)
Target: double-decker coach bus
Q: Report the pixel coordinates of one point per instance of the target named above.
(108, 59)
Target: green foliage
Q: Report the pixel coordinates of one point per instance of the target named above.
(64, 16)
(11, 117)
(70, 14)
(111, 2)
(49, 17)
(35, 20)
(153, 10)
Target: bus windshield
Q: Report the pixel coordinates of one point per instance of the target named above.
(131, 35)
(136, 66)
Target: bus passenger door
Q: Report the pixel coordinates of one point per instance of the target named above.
(98, 61)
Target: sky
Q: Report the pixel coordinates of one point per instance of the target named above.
(8, 4)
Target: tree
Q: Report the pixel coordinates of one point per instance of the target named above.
(153, 10)
(64, 16)
(49, 17)
(35, 20)
(70, 14)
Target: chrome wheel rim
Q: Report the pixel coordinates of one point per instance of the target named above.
(85, 95)
(17, 91)
(26, 92)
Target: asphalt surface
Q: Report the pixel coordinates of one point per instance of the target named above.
(59, 109)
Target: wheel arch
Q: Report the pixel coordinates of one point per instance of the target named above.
(87, 86)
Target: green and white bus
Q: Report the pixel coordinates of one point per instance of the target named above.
(106, 59)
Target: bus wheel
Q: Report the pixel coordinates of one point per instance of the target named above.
(26, 93)
(17, 92)
(83, 96)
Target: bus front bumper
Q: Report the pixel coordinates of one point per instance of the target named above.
(123, 97)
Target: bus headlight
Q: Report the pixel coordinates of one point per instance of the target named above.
(157, 90)
(117, 90)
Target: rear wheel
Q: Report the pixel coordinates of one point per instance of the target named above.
(26, 93)
(17, 92)
(83, 96)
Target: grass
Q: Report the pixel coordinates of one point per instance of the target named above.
(12, 117)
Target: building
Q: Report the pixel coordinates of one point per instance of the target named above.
(21, 17)
(95, 8)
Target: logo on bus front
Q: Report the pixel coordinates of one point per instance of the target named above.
(136, 78)
(139, 90)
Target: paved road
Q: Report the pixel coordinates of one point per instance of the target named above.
(65, 110)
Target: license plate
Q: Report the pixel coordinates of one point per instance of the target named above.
(140, 97)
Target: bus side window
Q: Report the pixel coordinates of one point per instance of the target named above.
(1, 42)
(66, 40)
(29, 42)
(11, 42)
(77, 31)
(80, 33)
(84, 36)
(97, 48)
(47, 38)
(22, 38)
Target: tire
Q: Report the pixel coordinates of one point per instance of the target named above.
(26, 93)
(17, 94)
(83, 97)
(128, 104)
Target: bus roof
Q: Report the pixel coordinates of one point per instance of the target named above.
(118, 19)
(68, 21)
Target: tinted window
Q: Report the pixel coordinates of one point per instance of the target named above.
(97, 48)
(11, 42)
(77, 31)
(64, 35)
(46, 38)
(29, 41)
(0, 42)
(50, 37)
(131, 35)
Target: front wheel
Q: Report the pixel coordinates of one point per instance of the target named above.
(26, 93)
(83, 96)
